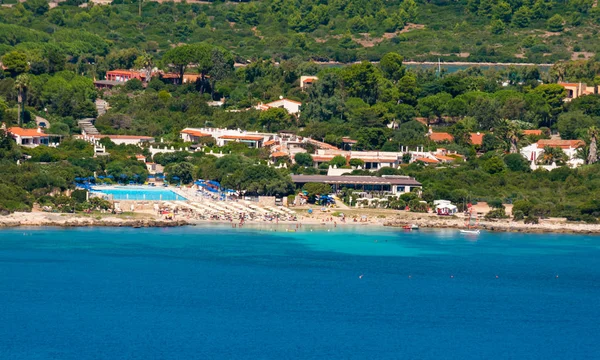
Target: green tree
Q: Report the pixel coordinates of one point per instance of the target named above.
(22, 83)
(522, 17)
(274, 119)
(516, 162)
(15, 63)
(493, 165)
(573, 124)
(338, 161)
(38, 7)
(183, 170)
(497, 26)
(303, 159)
(555, 23)
(146, 62)
(178, 58)
(391, 65)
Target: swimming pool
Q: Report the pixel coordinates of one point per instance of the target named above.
(140, 193)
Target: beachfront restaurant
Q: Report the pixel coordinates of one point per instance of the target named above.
(391, 184)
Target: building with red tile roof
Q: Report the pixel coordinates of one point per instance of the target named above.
(28, 137)
(439, 137)
(477, 138)
(563, 144)
(532, 132)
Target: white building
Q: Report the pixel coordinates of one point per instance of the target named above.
(535, 152)
(444, 207)
(225, 136)
(120, 139)
(292, 106)
(28, 137)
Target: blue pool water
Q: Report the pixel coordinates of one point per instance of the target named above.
(222, 293)
(140, 193)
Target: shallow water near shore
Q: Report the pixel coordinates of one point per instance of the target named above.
(264, 292)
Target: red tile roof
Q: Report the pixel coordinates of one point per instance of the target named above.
(26, 132)
(242, 137)
(532, 132)
(279, 154)
(563, 144)
(318, 158)
(348, 140)
(441, 136)
(477, 138)
(270, 142)
(194, 133)
(427, 160)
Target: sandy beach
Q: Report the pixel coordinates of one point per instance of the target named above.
(331, 218)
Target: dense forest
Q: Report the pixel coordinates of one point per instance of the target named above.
(540, 31)
(51, 57)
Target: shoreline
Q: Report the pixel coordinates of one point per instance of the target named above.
(392, 220)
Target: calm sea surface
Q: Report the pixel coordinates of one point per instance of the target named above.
(361, 293)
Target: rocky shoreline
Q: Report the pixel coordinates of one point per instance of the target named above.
(503, 226)
(70, 220)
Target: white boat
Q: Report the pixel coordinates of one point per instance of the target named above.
(470, 232)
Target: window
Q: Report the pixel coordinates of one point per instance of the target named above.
(401, 188)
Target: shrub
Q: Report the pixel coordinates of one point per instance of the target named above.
(532, 220)
(496, 214)
(518, 215)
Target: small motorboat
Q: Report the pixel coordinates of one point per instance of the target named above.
(470, 232)
(411, 227)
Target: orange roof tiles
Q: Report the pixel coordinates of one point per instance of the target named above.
(270, 142)
(322, 158)
(242, 137)
(348, 140)
(477, 138)
(427, 160)
(194, 133)
(532, 132)
(441, 136)
(563, 144)
(279, 154)
(25, 132)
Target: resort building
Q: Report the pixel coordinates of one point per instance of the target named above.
(307, 81)
(575, 90)
(535, 152)
(395, 185)
(28, 137)
(120, 76)
(440, 137)
(119, 139)
(225, 136)
(292, 106)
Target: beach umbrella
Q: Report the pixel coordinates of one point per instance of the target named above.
(78, 179)
(110, 177)
(101, 177)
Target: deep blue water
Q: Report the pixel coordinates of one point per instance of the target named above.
(221, 293)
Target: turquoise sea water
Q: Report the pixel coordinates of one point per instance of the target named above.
(358, 293)
(140, 193)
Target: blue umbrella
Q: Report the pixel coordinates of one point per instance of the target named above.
(175, 177)
(78, 179)
(110, 177)
(101, 177)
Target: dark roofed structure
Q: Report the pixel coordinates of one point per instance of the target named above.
(392, 183)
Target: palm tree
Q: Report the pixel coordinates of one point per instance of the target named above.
(21, 84)
(512, 136)
(593, 152)
(553, 155)
(145, 62)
